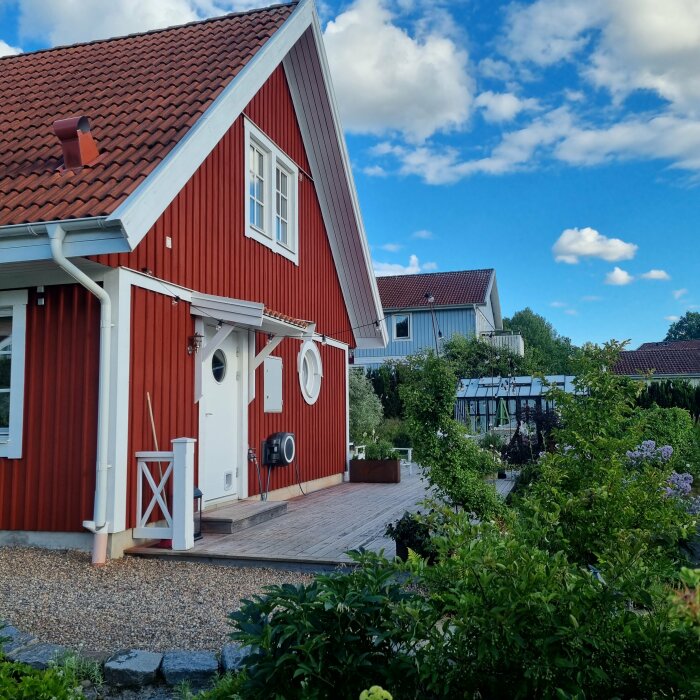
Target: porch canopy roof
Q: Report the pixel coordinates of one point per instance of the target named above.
(249, 314)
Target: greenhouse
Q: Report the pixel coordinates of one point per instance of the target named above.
(500, 403)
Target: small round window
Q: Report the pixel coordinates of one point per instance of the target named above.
(218, 366)
(310, 371)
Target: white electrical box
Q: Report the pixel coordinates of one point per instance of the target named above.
(273, 384)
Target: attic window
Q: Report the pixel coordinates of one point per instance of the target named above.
(271, 192)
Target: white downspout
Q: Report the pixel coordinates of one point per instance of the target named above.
(99, 524)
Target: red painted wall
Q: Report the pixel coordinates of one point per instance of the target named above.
(211, 254)
(160, 366)
(52, 486)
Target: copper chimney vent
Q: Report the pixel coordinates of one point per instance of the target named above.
(79, 147)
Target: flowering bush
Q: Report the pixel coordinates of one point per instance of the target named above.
(649, 453)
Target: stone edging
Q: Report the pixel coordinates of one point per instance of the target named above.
(132, 668)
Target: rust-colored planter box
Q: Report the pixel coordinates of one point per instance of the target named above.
(375, 471)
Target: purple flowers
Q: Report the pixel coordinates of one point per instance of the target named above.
(679, 485)
(649, 453)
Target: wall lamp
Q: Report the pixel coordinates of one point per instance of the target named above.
(194, 343)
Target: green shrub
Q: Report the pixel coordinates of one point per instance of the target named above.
(413, 531)
(395, 431)
(20, 682)
(332, 638)
(365, 408)
(228, 687)
(454, 464)
(491, 441)
(675, 427)
(380, 450)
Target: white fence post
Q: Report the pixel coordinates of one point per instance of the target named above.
(183, 493)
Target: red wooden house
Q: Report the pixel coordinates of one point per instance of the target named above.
(179, 223)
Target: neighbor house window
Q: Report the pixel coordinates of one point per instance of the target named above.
(13, 310)
(271, 186)
(402, 327)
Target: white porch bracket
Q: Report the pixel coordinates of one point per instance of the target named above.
(208, 349)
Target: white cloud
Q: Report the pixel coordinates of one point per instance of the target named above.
(7, 50)
(495, 69)
(71, 21)
(575, 243)
(382, 269)
(618, 277)
(655, 275)
(679, 293)
(502, 106)
(557, 304)
(549, 31)
(672, 318)
(591, 298)
(391, 247)
(375, 171)
(387, 80)
(423, 234)
(430, 267)
(571, 312)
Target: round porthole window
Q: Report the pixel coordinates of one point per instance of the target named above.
(218, 366)
(310, 371)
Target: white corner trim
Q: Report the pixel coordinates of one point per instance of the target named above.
(11, 444)
(148, 201)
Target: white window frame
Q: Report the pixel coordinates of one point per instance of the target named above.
(274, 158)
(410, 327)
(310, 385)
(16, 303)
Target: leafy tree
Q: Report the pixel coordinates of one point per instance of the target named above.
(471, 357)
(672, 393)
(687, 327)
(546, 351)
(386, 380)
(365, 407)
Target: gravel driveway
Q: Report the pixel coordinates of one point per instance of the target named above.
(129, 603)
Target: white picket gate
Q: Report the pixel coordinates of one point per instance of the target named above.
(178, 516)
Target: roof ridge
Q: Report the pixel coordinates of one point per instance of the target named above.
(428, 274)
(172, 27)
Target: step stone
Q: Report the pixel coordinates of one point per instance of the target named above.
(226, 521)
(14, 639)
(232, 656)
(132, 667)
(198, 668)
(38, 655)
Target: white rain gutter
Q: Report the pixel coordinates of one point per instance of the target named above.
(98, 526)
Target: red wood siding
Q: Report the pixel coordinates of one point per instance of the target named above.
(211, 254)
(52, 486)
(206, 221)
(319, 429)
(160, 366)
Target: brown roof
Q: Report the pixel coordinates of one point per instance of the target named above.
(671, 345)
(279, 316)
(448, 289)
(660, 361)
(142, 93)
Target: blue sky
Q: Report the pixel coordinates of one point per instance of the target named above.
(555, 140)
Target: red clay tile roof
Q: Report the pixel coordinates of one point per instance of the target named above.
(672, 345)
(448, 289)
(279, 316)
(661, 361)
(141, 92)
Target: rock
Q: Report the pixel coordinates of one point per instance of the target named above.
(198, 668)
(232, 656)
(37, 655)
(14, 639)
(132, 667)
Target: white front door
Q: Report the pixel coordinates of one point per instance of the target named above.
(219, 420)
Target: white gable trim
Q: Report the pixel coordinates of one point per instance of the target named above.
(150, 199)
(309, 81)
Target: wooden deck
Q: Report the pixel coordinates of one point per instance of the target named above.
(318, 529)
